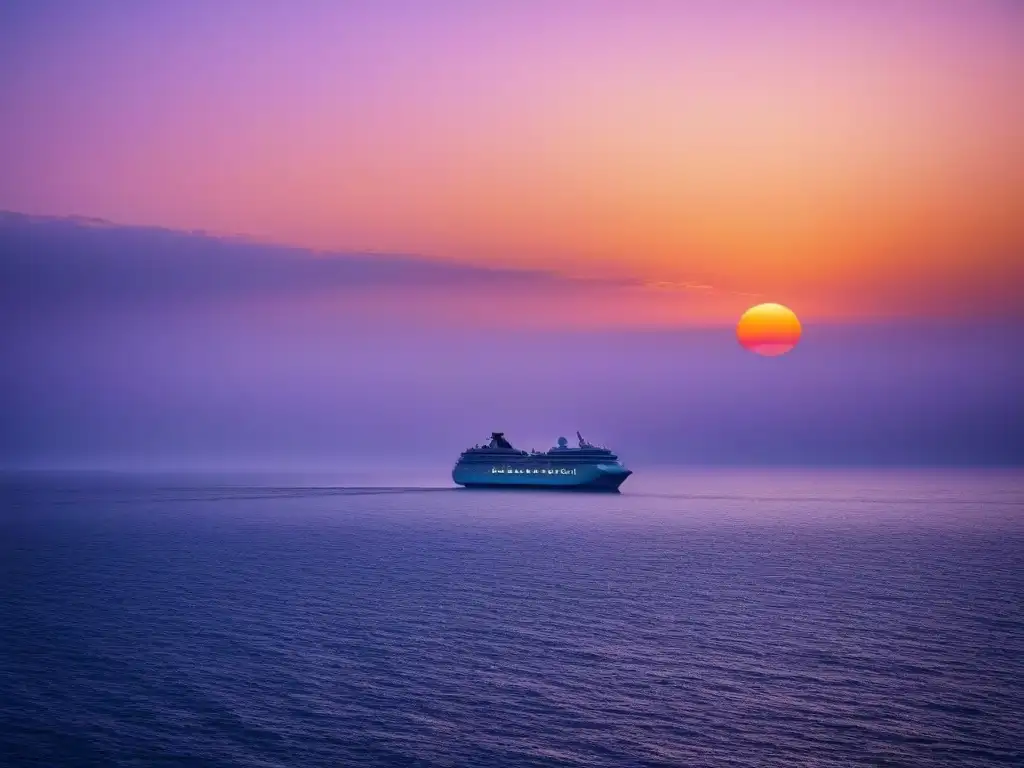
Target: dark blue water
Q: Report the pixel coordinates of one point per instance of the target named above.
(719, 618)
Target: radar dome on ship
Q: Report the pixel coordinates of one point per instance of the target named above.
(562, 442)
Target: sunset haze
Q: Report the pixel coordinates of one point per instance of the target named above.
(507, 383)
(851, 160)
(266, 232)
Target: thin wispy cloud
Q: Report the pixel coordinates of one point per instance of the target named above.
(86, 257)
(674, 285)
(58, 264)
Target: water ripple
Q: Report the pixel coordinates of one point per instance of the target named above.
(277, 626)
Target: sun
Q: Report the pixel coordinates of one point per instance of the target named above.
(769, 329)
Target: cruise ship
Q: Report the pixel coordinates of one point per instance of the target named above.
(498, 465)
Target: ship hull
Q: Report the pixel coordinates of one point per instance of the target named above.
(605, 478)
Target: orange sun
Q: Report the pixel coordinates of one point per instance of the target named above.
(769, 329)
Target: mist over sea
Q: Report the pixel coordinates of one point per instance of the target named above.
(706, 617)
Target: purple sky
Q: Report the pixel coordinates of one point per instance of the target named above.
(130, 346)
(436, 219)
(853, 160)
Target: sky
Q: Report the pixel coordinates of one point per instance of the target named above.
(266, 228)
(138, 347)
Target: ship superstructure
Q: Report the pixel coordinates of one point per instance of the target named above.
(499, 464)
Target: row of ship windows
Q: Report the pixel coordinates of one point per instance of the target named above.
(552, 465)
(552, 454)
(512, 471)
(488, 449)
(553, 460)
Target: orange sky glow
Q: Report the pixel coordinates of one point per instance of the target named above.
(849, 160)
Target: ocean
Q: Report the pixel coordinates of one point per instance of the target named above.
(704, 618)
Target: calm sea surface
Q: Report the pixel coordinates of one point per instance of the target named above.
(705, 618)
